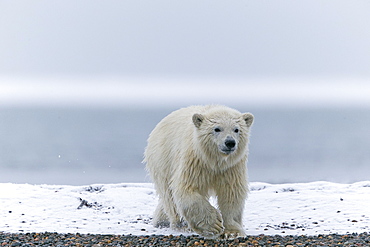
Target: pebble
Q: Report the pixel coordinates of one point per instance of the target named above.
(99, 240)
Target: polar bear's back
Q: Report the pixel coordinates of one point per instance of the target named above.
(178, 127)
(174, 136)
(171, 136)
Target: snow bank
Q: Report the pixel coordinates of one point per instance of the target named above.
(286, 209)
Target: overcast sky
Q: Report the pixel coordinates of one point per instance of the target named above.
(185, 38)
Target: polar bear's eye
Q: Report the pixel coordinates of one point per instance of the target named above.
(217, 130)
(236, 130)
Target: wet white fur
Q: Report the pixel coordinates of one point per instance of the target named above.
(186, 164)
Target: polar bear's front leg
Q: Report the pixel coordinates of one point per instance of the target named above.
(231, 203)
(201, 216)
(231, 195)
(232, 216)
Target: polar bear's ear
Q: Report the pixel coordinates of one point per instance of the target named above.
(248, 118)
(197, 119)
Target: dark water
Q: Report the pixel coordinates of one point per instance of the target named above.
(84, 146)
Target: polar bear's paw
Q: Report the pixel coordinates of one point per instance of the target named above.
(210, 226)
(180, 225)
(232, 233)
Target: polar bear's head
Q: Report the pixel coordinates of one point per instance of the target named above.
(223, 132)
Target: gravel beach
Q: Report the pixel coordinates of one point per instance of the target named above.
(97, 240)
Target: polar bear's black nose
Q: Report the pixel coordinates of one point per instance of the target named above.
(230, 143)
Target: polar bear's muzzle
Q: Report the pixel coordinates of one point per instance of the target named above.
(228, 146)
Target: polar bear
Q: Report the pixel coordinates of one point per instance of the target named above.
(192, 154)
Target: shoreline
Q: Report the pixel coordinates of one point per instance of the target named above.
(100, 240)
(283, 209)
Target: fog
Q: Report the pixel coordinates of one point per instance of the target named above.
(176, 92)
(185, 38)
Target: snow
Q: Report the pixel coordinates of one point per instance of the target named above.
(285, 209)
